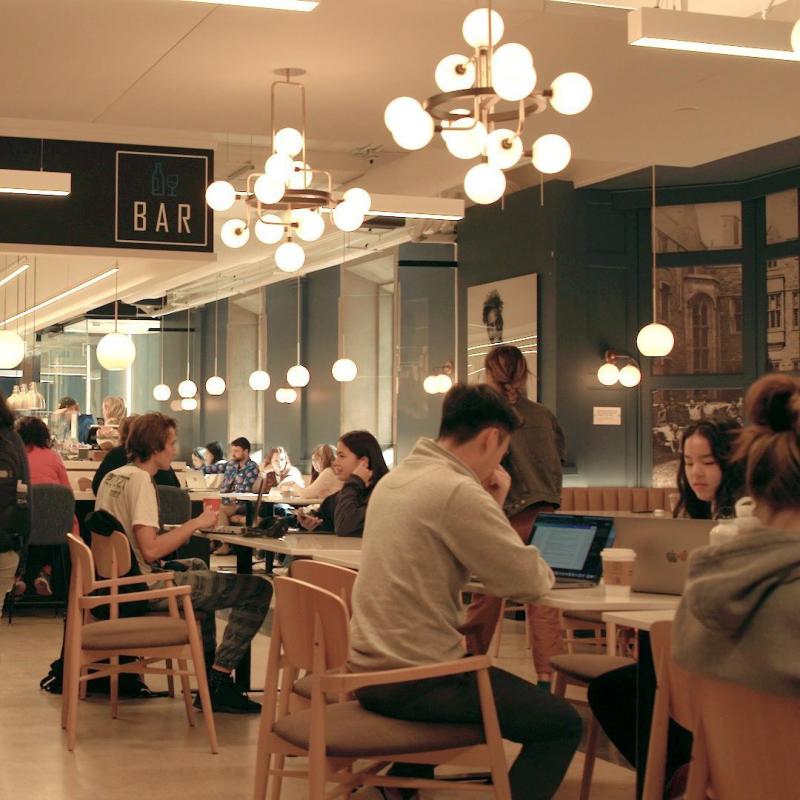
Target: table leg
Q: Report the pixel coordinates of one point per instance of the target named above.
(244, 566)
(611, 638)
(645, 698)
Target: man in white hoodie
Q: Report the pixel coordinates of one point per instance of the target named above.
(432, 523)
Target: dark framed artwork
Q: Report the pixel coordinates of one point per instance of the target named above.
(699, 226)
(703, 308)
(673, 411)
(783, 314)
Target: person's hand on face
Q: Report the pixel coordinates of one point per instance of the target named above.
(363, 471)
(208, 519)
(498, 484)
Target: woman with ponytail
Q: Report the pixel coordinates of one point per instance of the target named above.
(535, 458)
(738, 617)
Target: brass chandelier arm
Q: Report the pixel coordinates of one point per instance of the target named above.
(535, 104)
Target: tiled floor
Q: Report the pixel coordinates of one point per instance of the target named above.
(150, 752)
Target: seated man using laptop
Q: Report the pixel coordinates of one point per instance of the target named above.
(129, 494)
(433, 522)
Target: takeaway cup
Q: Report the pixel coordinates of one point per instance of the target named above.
(618, 563)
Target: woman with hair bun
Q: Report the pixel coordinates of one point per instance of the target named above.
(738, 619)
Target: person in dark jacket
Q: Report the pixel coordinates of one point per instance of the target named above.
(117, 457)
(359, 463)
(14, 519)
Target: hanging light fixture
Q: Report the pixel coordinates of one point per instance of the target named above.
(116, 351)
(286, 395)
(12, 346)
(215, 385)
(496, 84)
(655, 340)
(259, 379)
(189, 403)
(344, 369)
(188, 389)
(440, 381)
(281, 203)
(610, 372)
(298, 376)
(162, 392)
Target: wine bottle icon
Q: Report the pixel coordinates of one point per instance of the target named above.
(157, 181)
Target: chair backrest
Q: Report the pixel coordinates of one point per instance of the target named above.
(746, 740)
(614, 498)
(298, 607)
(111, 554)
(175, 505)
(82, 565)
(52, 510)
(337, 580)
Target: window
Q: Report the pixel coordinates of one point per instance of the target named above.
(795, 310)
(735, 310)
(664, 293)
(701, 309)
(774, 311)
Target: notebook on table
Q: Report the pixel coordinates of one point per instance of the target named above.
(571, 544)
(662, 546)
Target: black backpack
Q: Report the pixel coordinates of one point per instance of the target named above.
(14, 516)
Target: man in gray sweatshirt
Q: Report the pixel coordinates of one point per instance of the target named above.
(432, 523)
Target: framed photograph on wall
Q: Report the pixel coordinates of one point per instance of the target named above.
(503, 312)
(783, 314)
(703, 308)
(699, 226)
(673, 411)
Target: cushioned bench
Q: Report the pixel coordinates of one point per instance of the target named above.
(615, 498)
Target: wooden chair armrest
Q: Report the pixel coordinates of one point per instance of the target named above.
(349, 682)
(153, 577)
(152, 594)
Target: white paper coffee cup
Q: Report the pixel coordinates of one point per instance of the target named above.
(618, 565)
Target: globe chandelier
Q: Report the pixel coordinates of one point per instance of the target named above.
(284, 202)
(482, 107)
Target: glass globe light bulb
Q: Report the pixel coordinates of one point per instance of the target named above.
(414, 132)
(298, 376)
(551, 153)
(431, 384)
(515, 86)
(235, 233)
(270, 231)
(268, 190)
(116, 351)
(259, 380)
(220, 195)
(630, 376)
(290, 257)
(215, 385)
(484, 184)
(572, 93)
(655, 340)
(301, 177)
(499, 154)
(347, 217)
(288, 141)
(608, 374)
(444, 383)
(476, 28)
(465, 138)
(399, 110)
(344, 370)
(455, 72)
(12, 349)
(162, 392)
(187, 388)
(286, 395)
(796, 37)
(189, 403)
(360, 198)
(279, 167)
(310, 226)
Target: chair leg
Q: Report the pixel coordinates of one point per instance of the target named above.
(276, 761)
(498, 631)
(199, 665)
(589, 757)
(114, 679)
(170, 680)
(186, 690)
(263, 766)
(559, 685)
(72, 691)
(288, 677)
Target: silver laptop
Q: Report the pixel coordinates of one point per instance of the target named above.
(662, 546)
(195, 480)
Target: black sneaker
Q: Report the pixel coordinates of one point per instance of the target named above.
(226, 698)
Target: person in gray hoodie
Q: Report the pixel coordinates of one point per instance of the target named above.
(738, 619)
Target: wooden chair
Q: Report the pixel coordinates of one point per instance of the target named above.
(505, 607)
(148, 639)
(310, 631)
(580, 670)
(335, 579)
(590, 621)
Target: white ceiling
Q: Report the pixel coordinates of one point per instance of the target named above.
(172, 72)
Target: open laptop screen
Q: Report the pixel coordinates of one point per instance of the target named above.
(571, 544)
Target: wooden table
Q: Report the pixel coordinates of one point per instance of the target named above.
(272, 497)
(195, 495)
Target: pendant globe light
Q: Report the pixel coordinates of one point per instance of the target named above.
(298, 376)
(187, 389)
(116, 351)
(344, 369)
(286, 395)
(215, 385)
(162, 392)
(259, 379)
(655, 339)
(12, 346)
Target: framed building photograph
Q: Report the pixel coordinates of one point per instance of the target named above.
(783, 314)
(699, 226)
(503, 312)
(783, 216)
(703, 308)
(673, 411)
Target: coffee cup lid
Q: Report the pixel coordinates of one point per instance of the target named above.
(618, 554)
